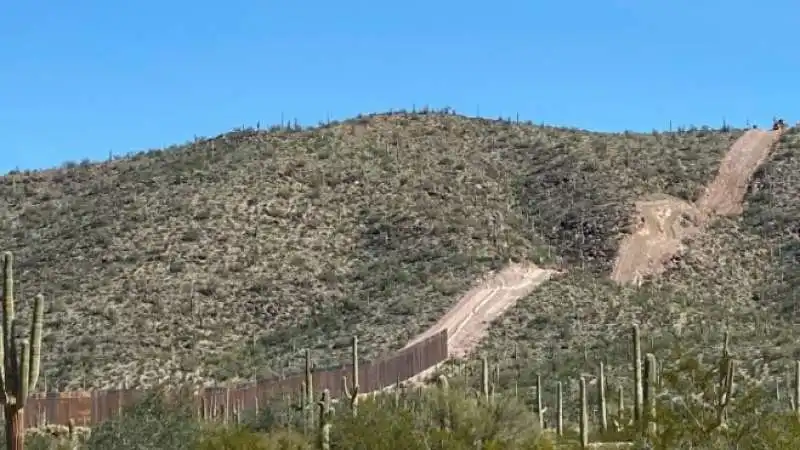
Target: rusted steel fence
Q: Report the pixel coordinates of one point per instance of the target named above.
(87, 408)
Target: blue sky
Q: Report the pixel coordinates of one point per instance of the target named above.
(81, 78)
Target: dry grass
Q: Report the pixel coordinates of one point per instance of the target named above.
(224, 257)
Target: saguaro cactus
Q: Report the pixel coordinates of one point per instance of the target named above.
(650, 385)
(352, 394)
(796, 403)
(539, 402)
(601, 397)
(445, 420)
(307, 393)
(584, 425)
(638, 402)
(20, 369)
(325, 415)
(560, 409)
(485, 382)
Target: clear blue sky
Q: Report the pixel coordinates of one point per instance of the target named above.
(81, 78)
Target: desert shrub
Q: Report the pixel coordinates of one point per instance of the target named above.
(690, 415)
(436, 420)
(242, 438)
(276, 414)
(153, 423)
(36, 442)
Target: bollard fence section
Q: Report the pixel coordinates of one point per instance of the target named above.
(88, 408)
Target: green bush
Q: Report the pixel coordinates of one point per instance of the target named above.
(241, 438)
(156, 422)
(436, 420)
(277, 414)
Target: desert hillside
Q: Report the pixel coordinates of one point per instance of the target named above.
(224, 257)
(739, 276)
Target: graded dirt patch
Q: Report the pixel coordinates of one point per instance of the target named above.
(724, 196)
(468, 321)
(663, 224)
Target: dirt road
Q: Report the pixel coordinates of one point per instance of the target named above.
(468, 321)
(663, 223)
(725, 195)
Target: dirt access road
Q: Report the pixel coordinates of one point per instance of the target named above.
(663, 223)
(468, 321)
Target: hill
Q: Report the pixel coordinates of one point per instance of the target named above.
(226, 256)
(739, 276)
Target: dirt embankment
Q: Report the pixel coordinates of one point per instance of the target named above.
(663, 223)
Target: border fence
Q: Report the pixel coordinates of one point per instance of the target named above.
(88, 408)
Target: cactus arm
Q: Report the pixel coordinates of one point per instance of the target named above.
(8, 323)
(485, 378)
(12, 368)
(3, 396)
(355, 365)
(24, 374)
(309, 388)
(344, 386)
(35, 354)
(309, 378)
(637, 375)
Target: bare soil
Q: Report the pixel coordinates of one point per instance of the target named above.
(468, 320)
(663, 225)
(724, 196)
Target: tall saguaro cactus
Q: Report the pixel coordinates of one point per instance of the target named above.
(325, 415)
(20, 369)
(485, 391)
(308, 385)
(352, 394)
(638, 402)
